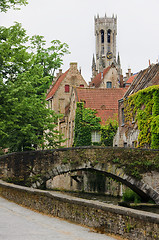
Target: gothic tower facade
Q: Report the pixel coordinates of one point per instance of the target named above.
(105, 35)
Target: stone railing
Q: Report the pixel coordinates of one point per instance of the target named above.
(105, 218)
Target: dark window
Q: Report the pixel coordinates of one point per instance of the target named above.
(122, 116)
(67, 88)
(102, 36)
(109, 84)
(108, 35)
(69, 130)
(125, 145)
(81, 85)
(133, 117)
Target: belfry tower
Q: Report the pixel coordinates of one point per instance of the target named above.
(105, 34)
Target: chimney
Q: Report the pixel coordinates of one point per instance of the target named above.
(60, 71)
(73, 65)
(149, 62)
(129, 71)
(121, 81)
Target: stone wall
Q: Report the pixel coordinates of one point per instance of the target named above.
(104, 218)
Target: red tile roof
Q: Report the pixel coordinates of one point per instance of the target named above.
(56, 85)
(131, 79)
(98, 79)
(104, 100)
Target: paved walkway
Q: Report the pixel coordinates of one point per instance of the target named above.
(18, 223)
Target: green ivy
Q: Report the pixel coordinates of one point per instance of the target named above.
(143, 107)
(108, 132)
(86, 121)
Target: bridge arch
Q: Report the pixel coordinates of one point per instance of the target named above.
(145, 191)
(40, 166)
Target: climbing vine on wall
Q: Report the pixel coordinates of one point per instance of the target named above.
(86, 121)
(108, 131)
(143, 108)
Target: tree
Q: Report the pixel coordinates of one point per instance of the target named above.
(50, 58)
(108, 132)
(25, 122)
(5, 5)
(86, 121)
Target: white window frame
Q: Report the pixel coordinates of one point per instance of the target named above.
(95, 136)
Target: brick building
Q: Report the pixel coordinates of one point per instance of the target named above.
(128, 135)
(59, 94)
(107, 78)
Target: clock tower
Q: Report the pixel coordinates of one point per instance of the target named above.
(105, 35)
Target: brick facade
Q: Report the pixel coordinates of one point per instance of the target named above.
(58, 98)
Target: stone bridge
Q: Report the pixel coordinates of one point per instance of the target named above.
(136, 168)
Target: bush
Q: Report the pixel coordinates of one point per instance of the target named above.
(130, 196)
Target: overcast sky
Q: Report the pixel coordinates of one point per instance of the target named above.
(72, 21)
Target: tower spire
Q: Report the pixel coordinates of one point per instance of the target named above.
(93, 63)
(118, 59)
(94, 71)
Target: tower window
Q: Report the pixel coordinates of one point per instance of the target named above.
(67, 88)
(109, 84)
(108, 35)
(102, 36)
(81, 85)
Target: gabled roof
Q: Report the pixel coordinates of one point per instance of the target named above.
(104, 100)
(56, 85)
(130, 80)
(98, 78)
(145, 78)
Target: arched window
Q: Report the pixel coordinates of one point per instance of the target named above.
(108, 35)
(102, 36)
(109, 84)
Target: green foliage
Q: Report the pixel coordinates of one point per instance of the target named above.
(7, 4)
(144, 105)
(108, 132)
(49, 58)
(130, 196)
(85, 122)
(25, 122)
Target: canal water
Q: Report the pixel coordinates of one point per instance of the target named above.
(112, 200)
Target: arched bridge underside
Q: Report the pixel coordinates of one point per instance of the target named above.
(34, 168)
